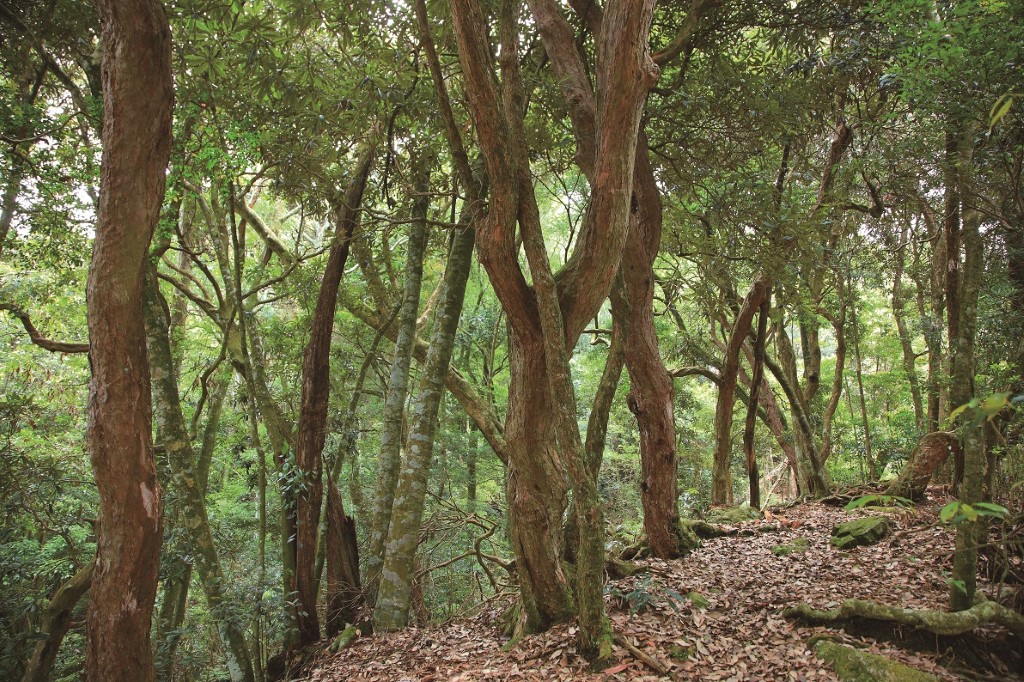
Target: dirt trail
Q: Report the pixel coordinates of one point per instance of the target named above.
(738, 634)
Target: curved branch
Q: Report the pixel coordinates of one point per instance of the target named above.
(37, 338)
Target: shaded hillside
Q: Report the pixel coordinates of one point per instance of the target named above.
(716, 615)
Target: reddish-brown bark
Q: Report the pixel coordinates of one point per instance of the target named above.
(137, 105)
(623, 75)
(652, 394)
(309, 445)
(721, 481)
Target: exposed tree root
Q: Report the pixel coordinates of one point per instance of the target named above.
(648, 660)
(938, 622)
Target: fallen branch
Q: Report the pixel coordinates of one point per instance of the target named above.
(648, 660)
(932, 620)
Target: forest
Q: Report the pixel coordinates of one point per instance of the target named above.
(495, 340)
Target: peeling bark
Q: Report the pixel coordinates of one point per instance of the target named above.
(137, 105)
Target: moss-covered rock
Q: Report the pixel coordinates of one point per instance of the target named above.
(698, 600)
(798, 545)
(344, 638)
(854, 665)
(618, 569)
(864, 531)
(728, 515)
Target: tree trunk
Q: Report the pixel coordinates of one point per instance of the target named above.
(391, 611)
(839, 329)
(173, 435)
(173, 607)
(137, 105)
(721, 478)
(969, 535)
(398, 386)
(756, 379)
(931, 452)
(810, 478)
(316, 389)
(344, 593)
(872, 469)
(933, 327)
(651, 396)
(899, 312)
(623, 76)
(56, 621)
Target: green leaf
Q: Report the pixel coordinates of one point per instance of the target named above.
(991, 509)
(1000, 109)
(948, 511)
(968, 512)
(861, 501)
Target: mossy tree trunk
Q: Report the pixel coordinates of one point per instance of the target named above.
(172, 434)
(55, 623)
(391, 610)
(398, 384)
(969, 535)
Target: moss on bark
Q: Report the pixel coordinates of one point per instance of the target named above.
(854, 665)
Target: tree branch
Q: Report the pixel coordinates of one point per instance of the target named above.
(37, 338)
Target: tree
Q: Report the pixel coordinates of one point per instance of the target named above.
(546, 319)
(138, 98)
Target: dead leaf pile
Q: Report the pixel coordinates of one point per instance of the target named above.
(735, 632)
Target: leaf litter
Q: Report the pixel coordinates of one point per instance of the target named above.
(739, 635)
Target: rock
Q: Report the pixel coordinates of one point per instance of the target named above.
(864, 531)
(729, 515)
(854, 665)
(798, 545)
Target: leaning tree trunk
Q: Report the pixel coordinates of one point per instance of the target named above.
(931, 453)
(398, 386)
(391, 611)
(316, 392)
(137, 105)
(56, 622)
(721, 477)
(173, 435)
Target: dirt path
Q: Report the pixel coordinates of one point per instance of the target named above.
(738, 635)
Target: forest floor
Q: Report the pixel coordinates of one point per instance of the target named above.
(738, 633)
